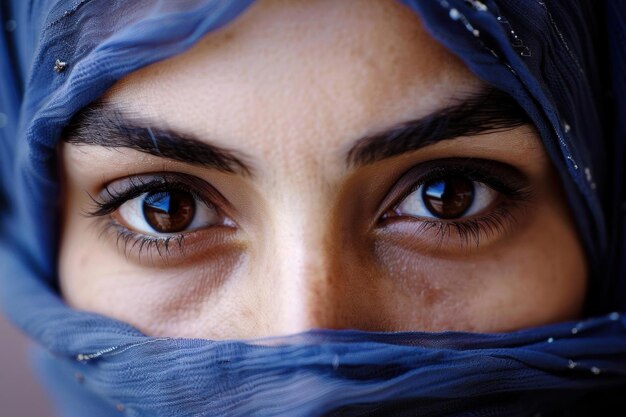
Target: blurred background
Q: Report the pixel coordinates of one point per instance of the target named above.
(20, 394)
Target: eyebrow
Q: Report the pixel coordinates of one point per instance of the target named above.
(486, 111)
(101, 124)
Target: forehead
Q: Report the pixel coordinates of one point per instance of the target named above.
(321, 72)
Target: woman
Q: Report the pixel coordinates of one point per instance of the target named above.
(377, 166)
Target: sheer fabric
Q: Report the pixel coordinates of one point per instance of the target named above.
(57, 56)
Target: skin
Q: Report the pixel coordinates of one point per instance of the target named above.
(292, 85)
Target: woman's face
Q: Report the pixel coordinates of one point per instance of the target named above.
(318, 164)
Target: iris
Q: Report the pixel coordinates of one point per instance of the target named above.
(169, 211)
(448, 198)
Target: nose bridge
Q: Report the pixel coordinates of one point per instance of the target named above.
(305, 272)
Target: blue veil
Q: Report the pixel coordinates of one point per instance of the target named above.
(554, 57)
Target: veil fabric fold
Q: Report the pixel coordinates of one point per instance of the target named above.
(57, 56)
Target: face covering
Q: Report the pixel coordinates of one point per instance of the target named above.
(553, 57)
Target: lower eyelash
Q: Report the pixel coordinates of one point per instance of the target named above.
(135, 244)
(472, 230)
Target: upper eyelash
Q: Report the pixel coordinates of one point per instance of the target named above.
(516, 192)
(114, 199)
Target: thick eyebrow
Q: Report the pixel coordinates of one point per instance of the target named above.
(486, 111)
(103, 125)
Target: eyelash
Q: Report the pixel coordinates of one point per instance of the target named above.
(147, 244)
(107, 204)
(468, 230)
(496, 221)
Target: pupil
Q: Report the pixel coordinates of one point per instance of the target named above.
(448, 198)
(169, 211)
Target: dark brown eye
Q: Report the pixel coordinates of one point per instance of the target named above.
(451, 197)
(169, 211)
(448, 198)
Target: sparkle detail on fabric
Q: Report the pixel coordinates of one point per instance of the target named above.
(59, 66)
(516, 41)
(456, 15)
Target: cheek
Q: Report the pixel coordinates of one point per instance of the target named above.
(537, 276)
(549, 274)
(95, 276)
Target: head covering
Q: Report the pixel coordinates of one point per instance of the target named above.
(57, 56)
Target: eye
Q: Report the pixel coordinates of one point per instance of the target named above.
(454, 203)
(164, 216)
(448, 198)
(167, 212)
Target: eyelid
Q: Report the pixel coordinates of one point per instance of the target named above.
(497, 175)
(121, 190)
(171, 249)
